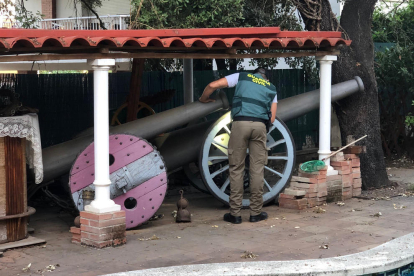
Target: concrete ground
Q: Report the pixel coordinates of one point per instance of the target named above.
(286, 235)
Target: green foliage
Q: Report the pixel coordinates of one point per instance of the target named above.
(396, 26)
(395, 73)
(174, 14)
(27, 19)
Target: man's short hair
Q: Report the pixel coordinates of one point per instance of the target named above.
(261, 71)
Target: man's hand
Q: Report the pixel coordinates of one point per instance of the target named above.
(210, 88)
(204, 100)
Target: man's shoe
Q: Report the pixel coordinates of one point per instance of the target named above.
(261, 216)
(230, 218)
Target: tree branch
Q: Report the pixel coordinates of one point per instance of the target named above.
(89, 7)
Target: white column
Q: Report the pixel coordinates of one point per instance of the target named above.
(102, 202)
(325, 110)
(188, 81)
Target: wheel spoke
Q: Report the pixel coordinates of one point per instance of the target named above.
(214, 174)
(227, 129)
(267, 185)
(212, 158)
(273, 171)
(225, 184)
(272, 128)
(274, 144)
(219, 145)
(278, 158)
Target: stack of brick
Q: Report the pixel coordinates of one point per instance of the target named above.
(76, 234)
(344, 170)
(356, 173)
(306, 190)
(102, 230)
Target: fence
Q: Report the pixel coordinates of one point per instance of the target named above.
(65, 101)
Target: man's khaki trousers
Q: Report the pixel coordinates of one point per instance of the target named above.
(252, 135)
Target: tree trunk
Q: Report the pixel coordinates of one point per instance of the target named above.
(359, 114)
(221, 64)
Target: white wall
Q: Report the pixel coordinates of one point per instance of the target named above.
(33, 6)
(66, 9)
(112, 7)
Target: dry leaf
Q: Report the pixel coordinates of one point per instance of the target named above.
(153, 238)
(377, 215)
(399, 207)
(324, 246)
(319, 210)
(340, 203)
(27, 268)
(249, 255)
(178, 237)
(215, 226)
(272, 226)
(297, 227)
(50, 268)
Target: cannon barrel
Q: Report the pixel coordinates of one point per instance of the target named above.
(183, 146)
(58, 159)
(296, 106)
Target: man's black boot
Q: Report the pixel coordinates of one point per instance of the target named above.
(259, 217)
(230, 218)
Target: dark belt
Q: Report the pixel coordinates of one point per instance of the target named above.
(249, 119)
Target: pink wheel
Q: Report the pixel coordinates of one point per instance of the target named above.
(137, 173)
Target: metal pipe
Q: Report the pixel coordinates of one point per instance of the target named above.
(296, 106)
(181, 147)
(58, 159)
(188, 81)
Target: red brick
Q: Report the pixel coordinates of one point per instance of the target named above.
(350, 156)
(356, 163)
(75, 230)
(97, 244)
(346, 184)
(312, 202)
(333, 178)
(96, 237)
(118, 242)
(323, 172)
(311, 195)
(347, 178)
(119, 214)
(95, 216)
(312, 189)
(353, 150)
(312, 176)
(286, 196)
(84, 221)
(298, 204)
(342, 168)
(108, 222)
(356, 175)
(340, 164)
(97, 230)
(356, 169)
(76, 241)
(344, 172)
(300, 179)
(356, 192)
(322, 194)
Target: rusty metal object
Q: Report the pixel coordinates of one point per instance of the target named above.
(87, 197)
(77, 221)
(183, 215)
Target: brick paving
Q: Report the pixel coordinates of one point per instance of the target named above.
(286, 235)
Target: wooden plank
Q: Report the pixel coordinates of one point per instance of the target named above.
(144, 55)
(14, 152)
(25, 242)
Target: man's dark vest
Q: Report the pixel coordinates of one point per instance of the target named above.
(253, 98)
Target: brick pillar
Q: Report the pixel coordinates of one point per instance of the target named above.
(49, 8)
(102, 230)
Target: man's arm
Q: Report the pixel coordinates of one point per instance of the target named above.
(211, 87)
(273, 109)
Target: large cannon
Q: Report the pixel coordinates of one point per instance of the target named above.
(138, 169)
